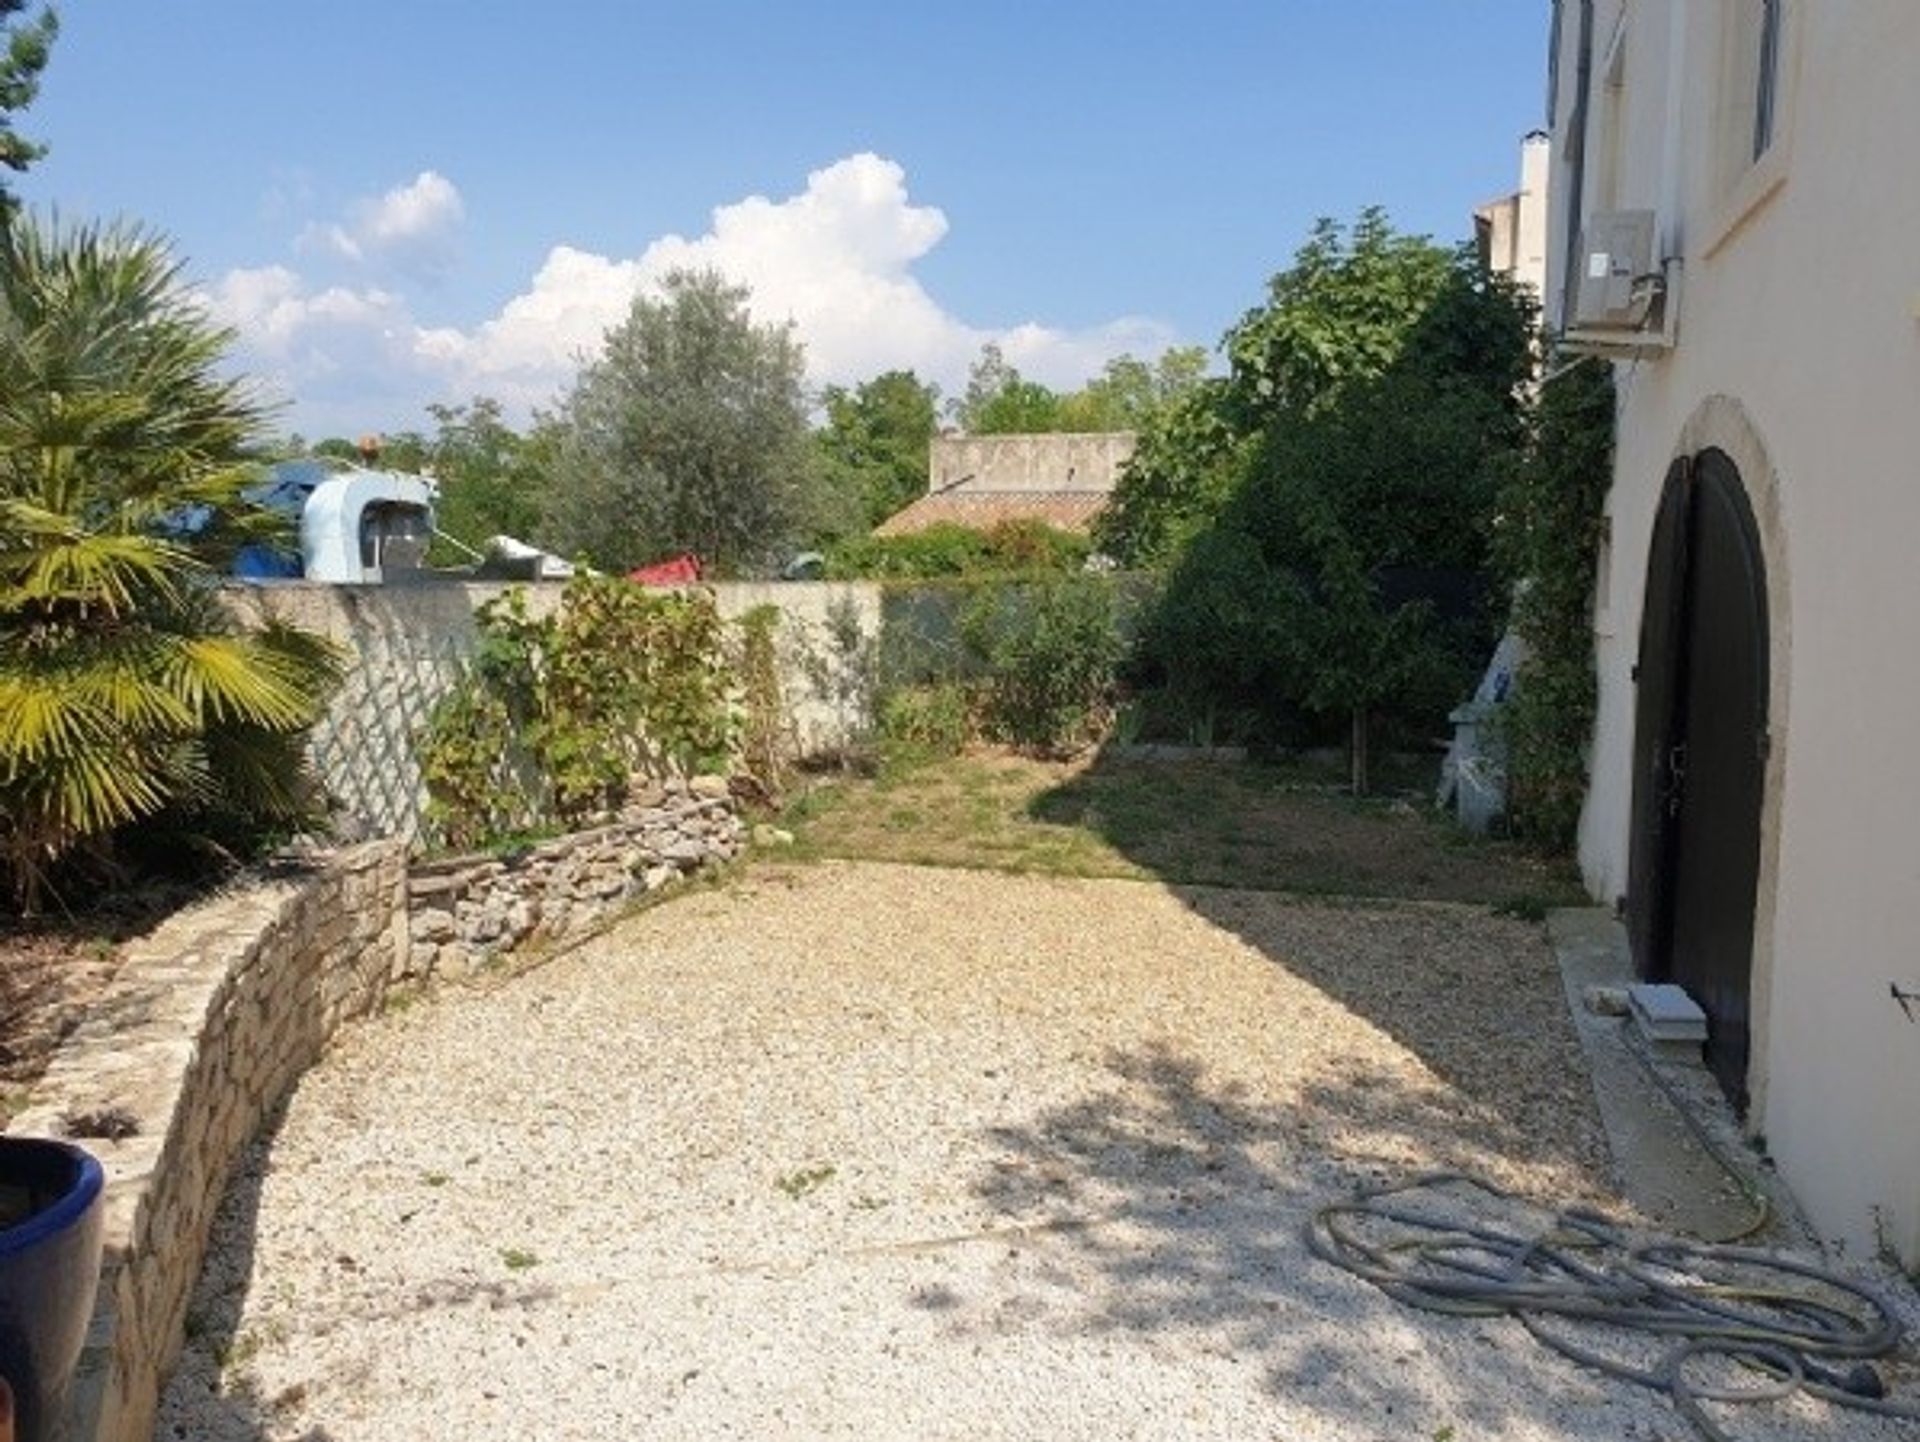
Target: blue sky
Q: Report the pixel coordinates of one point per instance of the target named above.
(416, 200)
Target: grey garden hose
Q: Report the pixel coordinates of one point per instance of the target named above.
(1763, 1311)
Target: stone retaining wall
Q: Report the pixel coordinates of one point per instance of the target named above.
(210, 1021)
(214, 1016)
(467, 909)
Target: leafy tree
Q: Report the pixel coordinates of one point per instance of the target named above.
(125, 692)
(873, 448)
(408, 451)
(1130, 394)
(1001, 401)
(1344, 311)
(689, 432)
(1127, 395)
(1186, 461)
(24, 47)
(1369, 408)
(491, 477)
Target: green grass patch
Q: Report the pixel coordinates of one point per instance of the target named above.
(1270, 827)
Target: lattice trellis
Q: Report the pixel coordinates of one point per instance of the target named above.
(366, 749)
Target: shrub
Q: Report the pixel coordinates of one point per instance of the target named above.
(933, 720)
(558, 714)
(1051, 652)
(1021, 547)
(765, 739)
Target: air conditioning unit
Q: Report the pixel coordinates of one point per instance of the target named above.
(1620, 279)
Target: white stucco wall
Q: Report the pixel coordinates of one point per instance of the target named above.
(1799, 354)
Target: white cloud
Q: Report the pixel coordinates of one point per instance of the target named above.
(836, 260)
(337, 358)
(412, 228)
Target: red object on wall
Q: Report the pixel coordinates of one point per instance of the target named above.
(681, 570)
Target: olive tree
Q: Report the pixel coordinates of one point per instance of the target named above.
(687, 433)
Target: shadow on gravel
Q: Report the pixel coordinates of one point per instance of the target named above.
(1476, 997)
(1473, 994)
(1202, 1193)
(211, 1397)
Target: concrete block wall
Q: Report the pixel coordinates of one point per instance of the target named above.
(1065, 461)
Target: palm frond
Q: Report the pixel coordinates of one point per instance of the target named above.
(123, 477)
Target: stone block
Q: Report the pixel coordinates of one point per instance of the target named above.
(1665, 1013)
(432, 926)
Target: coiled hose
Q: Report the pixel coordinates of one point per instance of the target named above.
(1419, 1244)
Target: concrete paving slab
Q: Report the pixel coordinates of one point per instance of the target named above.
(1660, 1163)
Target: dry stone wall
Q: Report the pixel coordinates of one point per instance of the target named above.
(467, 909)
(211, 1019)
(214, 1016)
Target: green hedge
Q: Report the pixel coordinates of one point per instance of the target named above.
(950, 550)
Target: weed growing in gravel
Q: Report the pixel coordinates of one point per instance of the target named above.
(435, 1179)
(808, 1179)
(517, 1259)
(1524, 907)
(242, 1349)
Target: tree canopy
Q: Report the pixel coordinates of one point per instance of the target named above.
(1127, 395)
(492, 478)
(1327, 506)
(999, 400)
(24, 47)
(687, 433)
(873, 447)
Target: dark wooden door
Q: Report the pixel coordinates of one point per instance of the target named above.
(1656, 800)
(1702, 754)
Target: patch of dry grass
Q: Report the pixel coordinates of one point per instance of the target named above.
(1202, 823)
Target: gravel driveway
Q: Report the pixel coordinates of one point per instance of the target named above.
(866, 1151)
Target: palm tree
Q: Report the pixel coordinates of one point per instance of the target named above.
(125, 691)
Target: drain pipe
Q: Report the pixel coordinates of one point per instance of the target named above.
(1669, 238)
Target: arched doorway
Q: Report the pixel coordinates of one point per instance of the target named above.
(1700, 753)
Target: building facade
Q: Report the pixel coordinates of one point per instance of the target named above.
(1755, 791)
(1511, 232)
(1062, 479)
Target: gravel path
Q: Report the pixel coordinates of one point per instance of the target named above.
(889, 1152)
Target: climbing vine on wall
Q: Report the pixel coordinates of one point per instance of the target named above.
(764, 740)
(558, 714)
(1552, 524)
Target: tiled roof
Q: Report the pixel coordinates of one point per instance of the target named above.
(1069, 510)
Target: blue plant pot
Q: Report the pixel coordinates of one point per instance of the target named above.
(50, 1218)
